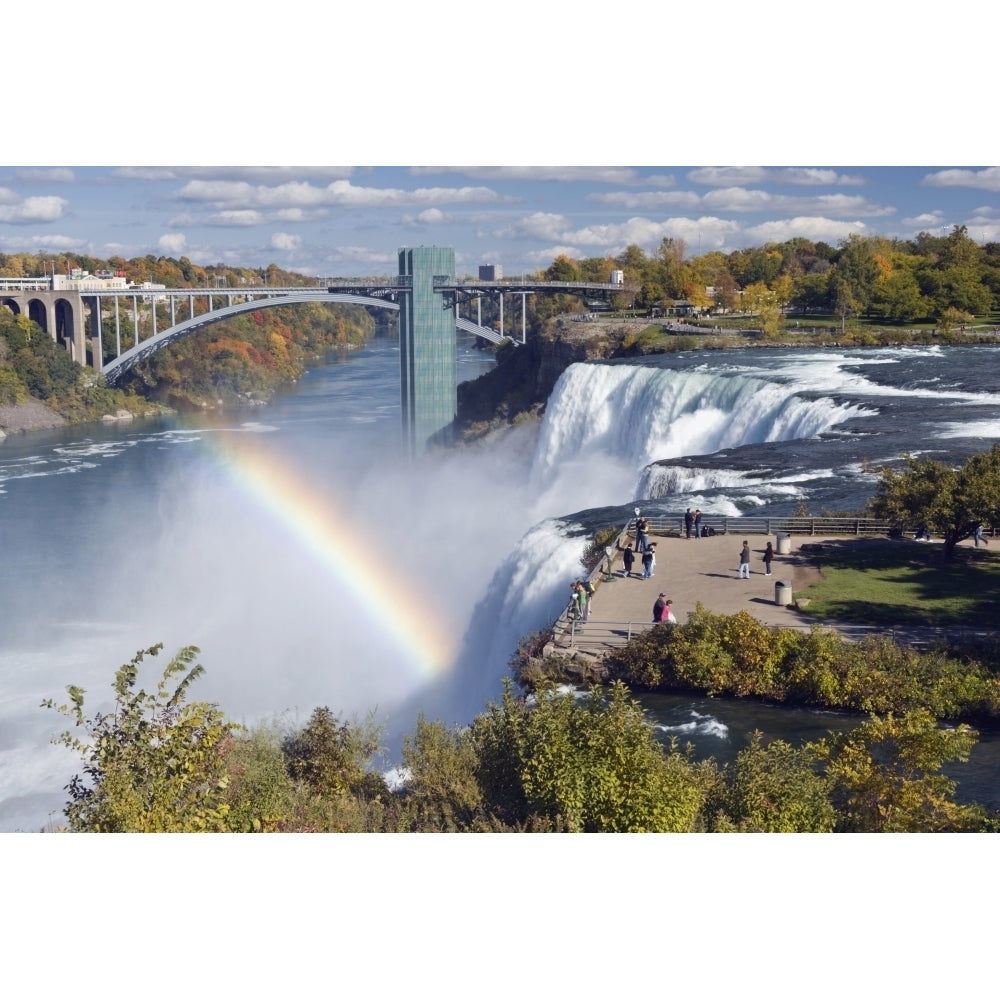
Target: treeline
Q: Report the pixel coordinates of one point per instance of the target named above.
(553, 762)
(250, 356)
(936, 279)
(168, 271)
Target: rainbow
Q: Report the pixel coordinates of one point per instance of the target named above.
(341, 548)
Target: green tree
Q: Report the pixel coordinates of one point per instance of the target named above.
(594, 765)
(859, 270)
(260, 792)
(773, 788)
(810, 292)
(563, 268)
(154, 764)
(334, 758)
(885, 775)
(948, 501)
(898, 299)
(441, 788)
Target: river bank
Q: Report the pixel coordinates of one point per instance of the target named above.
(30, 416)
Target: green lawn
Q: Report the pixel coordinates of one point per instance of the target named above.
(881, 582)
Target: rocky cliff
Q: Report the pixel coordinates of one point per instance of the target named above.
(520, 385)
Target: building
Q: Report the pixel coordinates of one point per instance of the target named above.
(427, 369)
(490, 272)
(83, 281)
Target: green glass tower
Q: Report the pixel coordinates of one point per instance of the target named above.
(426, 345)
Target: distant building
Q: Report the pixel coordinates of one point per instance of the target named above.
(490, 272)
(79, 280)
(617, 277)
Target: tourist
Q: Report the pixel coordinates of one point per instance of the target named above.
(641, 534)
(745, 561)
(978, 536)
(628, 558)
(667, 613)
(658, 605)
(647, 564)
(688, 522)
(768, 556)
(697, 524)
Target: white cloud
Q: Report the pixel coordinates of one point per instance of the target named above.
(741, 199)
(812, 228)
(48, 243)
(817, 176)
(172, 243)
(428, 217)
(40, 208)
(926, 220)
(706, 232)
(987, 179)
(220, 194)
(50, 175)
(727, 176)
(746, 200)
(538, 225)
(236, 217)
(285, 241)
(604, 175)
(739, 176)
(632, 201)
(259, 175)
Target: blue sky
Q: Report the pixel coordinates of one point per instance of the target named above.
(351, 220)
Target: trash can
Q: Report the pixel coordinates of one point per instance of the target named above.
(783, 593)
(784, 543)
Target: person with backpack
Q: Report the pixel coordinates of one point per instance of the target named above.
(588, 590)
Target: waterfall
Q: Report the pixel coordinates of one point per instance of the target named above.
(643, 415)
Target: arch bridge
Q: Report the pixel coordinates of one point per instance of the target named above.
(425, 294)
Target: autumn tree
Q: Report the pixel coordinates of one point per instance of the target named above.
(760, 299)
(886, 775)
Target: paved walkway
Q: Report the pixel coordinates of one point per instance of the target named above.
(705, 570)
(689, 570)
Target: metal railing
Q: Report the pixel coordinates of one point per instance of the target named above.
(673, 524)
(594, 634)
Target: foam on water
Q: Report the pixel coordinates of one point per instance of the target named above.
(698, 725)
